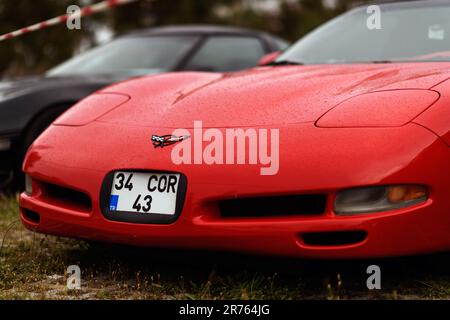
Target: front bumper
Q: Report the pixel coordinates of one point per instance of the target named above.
(374, 157)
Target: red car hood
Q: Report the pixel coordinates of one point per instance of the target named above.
(261, 96)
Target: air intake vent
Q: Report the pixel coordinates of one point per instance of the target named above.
(68, 198)
(31, 216)
(341, 238)
(274, 206)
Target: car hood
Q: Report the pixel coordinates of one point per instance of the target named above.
(9, 87)
(261, 96)
(19, 86)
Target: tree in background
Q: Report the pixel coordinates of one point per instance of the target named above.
(345, 5)
(36, 52)
(148, 13)
(299, 18)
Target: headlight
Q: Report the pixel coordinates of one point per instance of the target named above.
(5, 144)
(393, 108)
(28, 185)
(378, 199)
(90, 109)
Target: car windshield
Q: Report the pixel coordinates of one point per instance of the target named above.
(129, 56)
(408, 33)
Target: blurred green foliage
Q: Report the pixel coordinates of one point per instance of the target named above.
(36, 52)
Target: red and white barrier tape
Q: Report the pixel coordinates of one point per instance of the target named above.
(86, 11)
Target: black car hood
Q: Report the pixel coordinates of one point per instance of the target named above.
(14, 87)
(21, 100)
(11, 86)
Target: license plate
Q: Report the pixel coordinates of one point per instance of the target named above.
(145, 193)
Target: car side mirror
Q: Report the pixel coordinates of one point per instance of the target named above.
(268, 58)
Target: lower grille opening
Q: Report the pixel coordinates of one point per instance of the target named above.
(334, 238)
(68, 198)
(31, 216)
(274, 206)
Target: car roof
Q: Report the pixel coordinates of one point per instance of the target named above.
(195, 30)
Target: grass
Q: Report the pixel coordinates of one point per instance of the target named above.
(33, 266)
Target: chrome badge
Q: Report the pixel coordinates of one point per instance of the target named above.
(167, 140)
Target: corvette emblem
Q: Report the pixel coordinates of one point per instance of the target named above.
(167, 140)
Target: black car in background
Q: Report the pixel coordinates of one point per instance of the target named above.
(28, 106)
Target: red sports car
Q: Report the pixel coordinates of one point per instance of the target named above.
(339, 148)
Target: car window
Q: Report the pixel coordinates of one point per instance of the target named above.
(406, 34)
(226, 53)
(130, 56)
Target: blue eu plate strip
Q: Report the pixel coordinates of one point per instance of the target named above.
(113, 201)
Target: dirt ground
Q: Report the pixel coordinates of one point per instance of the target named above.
(33, 266)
